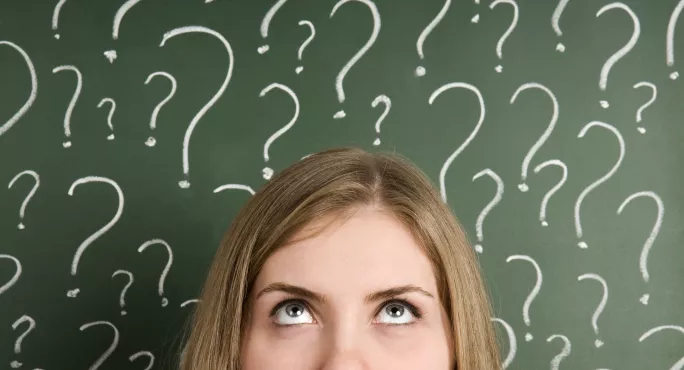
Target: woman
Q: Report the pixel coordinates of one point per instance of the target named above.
(345, 260)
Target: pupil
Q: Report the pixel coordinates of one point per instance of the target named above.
(295, 311)
(395, 311)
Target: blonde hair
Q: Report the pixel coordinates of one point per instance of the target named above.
(335, 182)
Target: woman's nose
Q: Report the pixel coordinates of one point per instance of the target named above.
(344, 348)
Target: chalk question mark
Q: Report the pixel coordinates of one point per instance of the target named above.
(140, 354)
(234, 187)
(555, 18)
(165, 272)
(15, 277)
(445, 166)
(669, 45)
(118, 17)
(679, 365)
(508, 32)
(492, 203)
(550, 193)
(151, 141)
(267, 171)
(535, 290)
(420, 70)
(654, 89)
(306, 43)
(55, 17)
(605, 70)
(109, 116)
(72, 103)
(20, 339)
(594, 318)
(86, 243)
(122, 302)
(339, 80)
(188, 133)
(388, 105)
(578, 204)
(643, 258)
(545, 136)
(34, 89)
(512, 342)
(112, 347)
(22, 210)
(565, 352)
(266, 22)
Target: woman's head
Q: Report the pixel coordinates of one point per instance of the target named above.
(327, 261)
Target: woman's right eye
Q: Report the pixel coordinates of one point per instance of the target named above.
(291, 313)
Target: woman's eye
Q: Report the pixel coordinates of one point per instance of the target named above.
(292, 313)
(398, 313)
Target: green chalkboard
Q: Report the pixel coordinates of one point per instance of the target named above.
(506, 100)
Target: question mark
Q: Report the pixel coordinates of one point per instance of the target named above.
(508, 32)
(445, 166)
(118, 17)
(492, 203)
(476, 18)
(594, 318)
(186, 139)
(679, 364)
(165, 272)
(189, 301)
(16, 275)
(266, 22)
(151, 141)
(648, 103)
(555, 18)
(669, 48)
(420, 70)
(112, 347)
(17, 344)
(55, 17)
(86, 243)
(535, 290)
(604, 178)
(565, 352)
(512, 342)
(603, 80)
(643, 258)
(388, 104)
(306, 42)
(22, 210)
(545, 136)
(122, 303)
(72, 103)
(149, 355)
(550, 193)
(267, 171)
(343, 72)
(235, 187)
(34, 89)
(109, 116)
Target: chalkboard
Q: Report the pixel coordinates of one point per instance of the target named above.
(131, 132)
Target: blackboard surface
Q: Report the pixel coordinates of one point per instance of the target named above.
(574, 111)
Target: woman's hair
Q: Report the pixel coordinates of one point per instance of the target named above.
(337, 182)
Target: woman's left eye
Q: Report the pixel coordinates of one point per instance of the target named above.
(398, 312)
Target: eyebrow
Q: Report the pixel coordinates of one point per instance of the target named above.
(320, 298)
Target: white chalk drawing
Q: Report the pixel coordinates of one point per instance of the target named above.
(22, 210)
(165, 272)
(86, 243)
(512, 342)
(17, 273)
(118, 17)
(122, 301)
(34, 89)
(679, 365)
(267, 172)
(669, 42)
(189, 301)
(31, 326)
(188, 133)
(545, 136)
(643, 257)
(555, 19)
(492, 203)
(445, 166)
(234, 187)
(504, 37)
(109, 116)
(55, 17)
(474, 19)
(306, 42)
(550, 193)
(654, 89)
(533, 293)
(420, 70)
(565, 352)
(151, 141)
(266, 22)
(339, 80)
(140, 354)
(594, 318)
(608, 65)
(112, 347)
(388, 105)
(578, 204)
(72, 103)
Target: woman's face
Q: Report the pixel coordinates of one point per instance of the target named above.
(360, 295)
